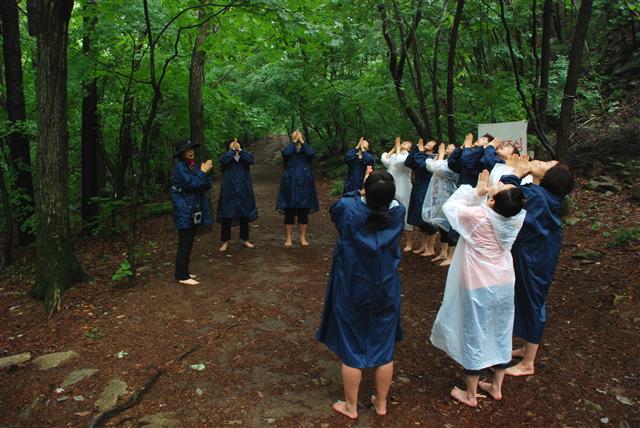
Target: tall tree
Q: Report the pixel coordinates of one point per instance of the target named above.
(56, 266)
(18, 141)
(573, 74)
(398, 58)
(90, 130)
(196, 81)
(451, 66)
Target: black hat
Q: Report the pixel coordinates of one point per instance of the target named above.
(182, 145)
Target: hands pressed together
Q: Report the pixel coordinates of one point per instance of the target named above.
(520, 164)
(206, 166)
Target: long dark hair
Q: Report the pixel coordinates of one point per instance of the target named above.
(379, 192)
(558, 180)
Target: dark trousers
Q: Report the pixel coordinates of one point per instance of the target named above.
(450, 237)
(481, 371)
(428, 228)
(291, 213)
(225, 229)
(185, 244)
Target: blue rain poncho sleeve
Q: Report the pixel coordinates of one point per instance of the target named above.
(357, 168)
(236, 199)
(187, 195)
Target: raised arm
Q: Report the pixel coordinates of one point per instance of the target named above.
(188, 180)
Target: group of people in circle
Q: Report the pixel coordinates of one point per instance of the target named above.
(498, 216)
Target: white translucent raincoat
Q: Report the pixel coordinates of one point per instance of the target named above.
(475, 322)
(402, 177)
(501, 169)
(442, 185)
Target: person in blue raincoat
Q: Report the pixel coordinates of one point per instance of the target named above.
(465, 160)
(416, 160)
(237, 203)
(536, 251)
(357, 159)
(297, 197)
(361, 316)
(190, 206)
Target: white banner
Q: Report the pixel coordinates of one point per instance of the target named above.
(515, 132)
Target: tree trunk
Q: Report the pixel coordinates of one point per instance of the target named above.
(8, 222)
(56, 266)
(434, 83)
(573, 74)
(18, 141)
(90, 132)
(196, 81)
(451, 65)
(545, 63)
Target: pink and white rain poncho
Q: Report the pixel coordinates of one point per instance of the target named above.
(475, 321)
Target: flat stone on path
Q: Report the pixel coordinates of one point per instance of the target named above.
(109, 398)
(49, 361)
(77, 376)
(160, 420)
(13, 360)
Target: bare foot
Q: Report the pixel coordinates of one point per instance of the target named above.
(304, 242)
(517, 353)
(288, 244)
(224, 246)
(189, 281)
(192, 276)
(491, 390)
(427, 253)
(380, 411)
(419, 250)
(407, 248)
(247, 244)
(520, 369)
(341, 407)
(440, 257)
(462, 397)
(447, 262)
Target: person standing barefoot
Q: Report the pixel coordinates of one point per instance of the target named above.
(297, 197)
(361, 316)
(236, 203)
(393, 161)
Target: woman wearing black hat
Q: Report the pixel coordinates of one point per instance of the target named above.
(190, 206)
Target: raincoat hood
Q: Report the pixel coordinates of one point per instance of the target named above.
(505, 229)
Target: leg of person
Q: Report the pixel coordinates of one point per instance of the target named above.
(303, 221)
(468, 397)
(494, 389)
(351, 378)
(422, 236)
(407, 238)
(384, 375)
(225, 233)
(526, 366)
(289, 216)
(244, 233)
(519, 352)
(430, 245)
(452, 239)
(185, 243)
(444, 246)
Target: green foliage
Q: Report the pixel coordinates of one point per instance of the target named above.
(336, 187)
(124, 271)
(625, 236)
(93, 333)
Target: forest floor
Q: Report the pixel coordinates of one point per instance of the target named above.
(250, 328)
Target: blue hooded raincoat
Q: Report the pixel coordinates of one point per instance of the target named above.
(421, 178)
(187, 195)
(357, 169)
(236, 190)
(297, 187)
(535, 254)
(361, 316)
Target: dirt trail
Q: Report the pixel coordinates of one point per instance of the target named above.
(251, 324)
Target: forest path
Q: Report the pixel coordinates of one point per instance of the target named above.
(249, 329)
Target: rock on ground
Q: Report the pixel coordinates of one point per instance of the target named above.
(77, 376)
(49, 361)
(109, 398)
(160, 420)
(13, 360)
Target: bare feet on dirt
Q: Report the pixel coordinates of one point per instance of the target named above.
(341, 407)
(224, 247)
(517, 353)
(463, 397)
(189, 281)
(381, 409)
(247, 244)
(520, 369)
(490, 389)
